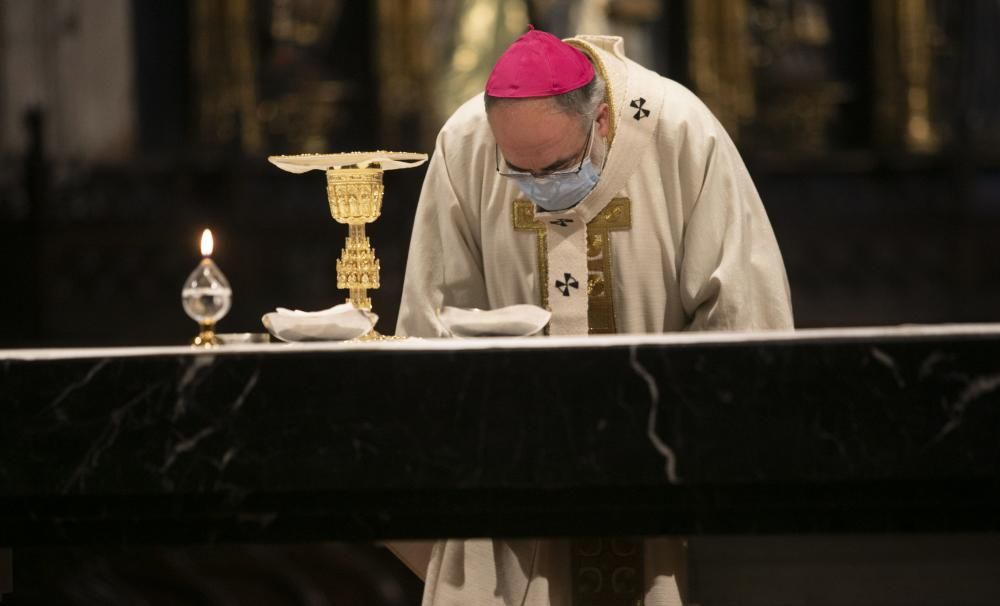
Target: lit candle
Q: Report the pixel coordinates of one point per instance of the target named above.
(206, 295)
(207, 243)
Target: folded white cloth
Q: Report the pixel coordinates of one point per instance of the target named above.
(510, 321)
(339, 323)
(386, 160)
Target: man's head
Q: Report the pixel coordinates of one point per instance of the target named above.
(545, 103)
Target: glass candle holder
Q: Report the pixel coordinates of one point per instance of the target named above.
(206, 295)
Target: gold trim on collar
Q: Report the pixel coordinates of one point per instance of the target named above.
(609, 96)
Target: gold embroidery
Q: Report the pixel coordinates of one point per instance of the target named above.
(609, 97)
(607, 571)
(524, 220)
(595, 286)
(617, 215)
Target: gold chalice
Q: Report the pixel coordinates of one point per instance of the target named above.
(354, 190)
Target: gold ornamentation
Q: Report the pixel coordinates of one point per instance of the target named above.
(224, 61)
(904, 39)
(607, 571)
(609, 97)
(430, 59)
(354, 191)
(206, 337)
(355, 196)
(617, 215)
(524, 220)
(720, 61)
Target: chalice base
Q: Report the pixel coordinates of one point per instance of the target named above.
(374, 335)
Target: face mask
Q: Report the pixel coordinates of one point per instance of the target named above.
(559, 192)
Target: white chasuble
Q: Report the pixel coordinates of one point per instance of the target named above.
(673, 237)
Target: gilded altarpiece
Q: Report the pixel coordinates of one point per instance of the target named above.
(904, 75)
(936, 83)
(768, 67)
(281, 75)
(793, 79)
(435, 54)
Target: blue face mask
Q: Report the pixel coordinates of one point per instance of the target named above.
(559, 192)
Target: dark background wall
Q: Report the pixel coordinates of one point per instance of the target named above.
(877, 224)
(872, 232)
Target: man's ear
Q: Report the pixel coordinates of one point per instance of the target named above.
(603, 120)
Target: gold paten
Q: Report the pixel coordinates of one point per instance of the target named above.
(617, 215)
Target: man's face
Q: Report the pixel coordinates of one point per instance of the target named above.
(535, 136)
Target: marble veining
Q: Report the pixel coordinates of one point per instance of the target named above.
(198, 365)
(90, 463)
(866, 434)
(242, 397)
(72, 387)
(182, 445)
(888, 361)
(975, 389)
(654, 408)
(931, 362)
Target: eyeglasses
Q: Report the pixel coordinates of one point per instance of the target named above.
(507, 171)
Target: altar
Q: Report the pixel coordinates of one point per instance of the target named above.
(861, 432)
(865, 430)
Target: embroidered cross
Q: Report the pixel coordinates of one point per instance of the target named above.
(561, 222)
(640, 111)
(567, 283)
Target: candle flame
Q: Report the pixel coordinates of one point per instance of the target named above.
(207, 244)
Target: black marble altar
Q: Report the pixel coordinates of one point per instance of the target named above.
(819, 431)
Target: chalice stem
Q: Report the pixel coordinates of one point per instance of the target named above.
(358, 268)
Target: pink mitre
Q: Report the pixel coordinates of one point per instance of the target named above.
(538, 65)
